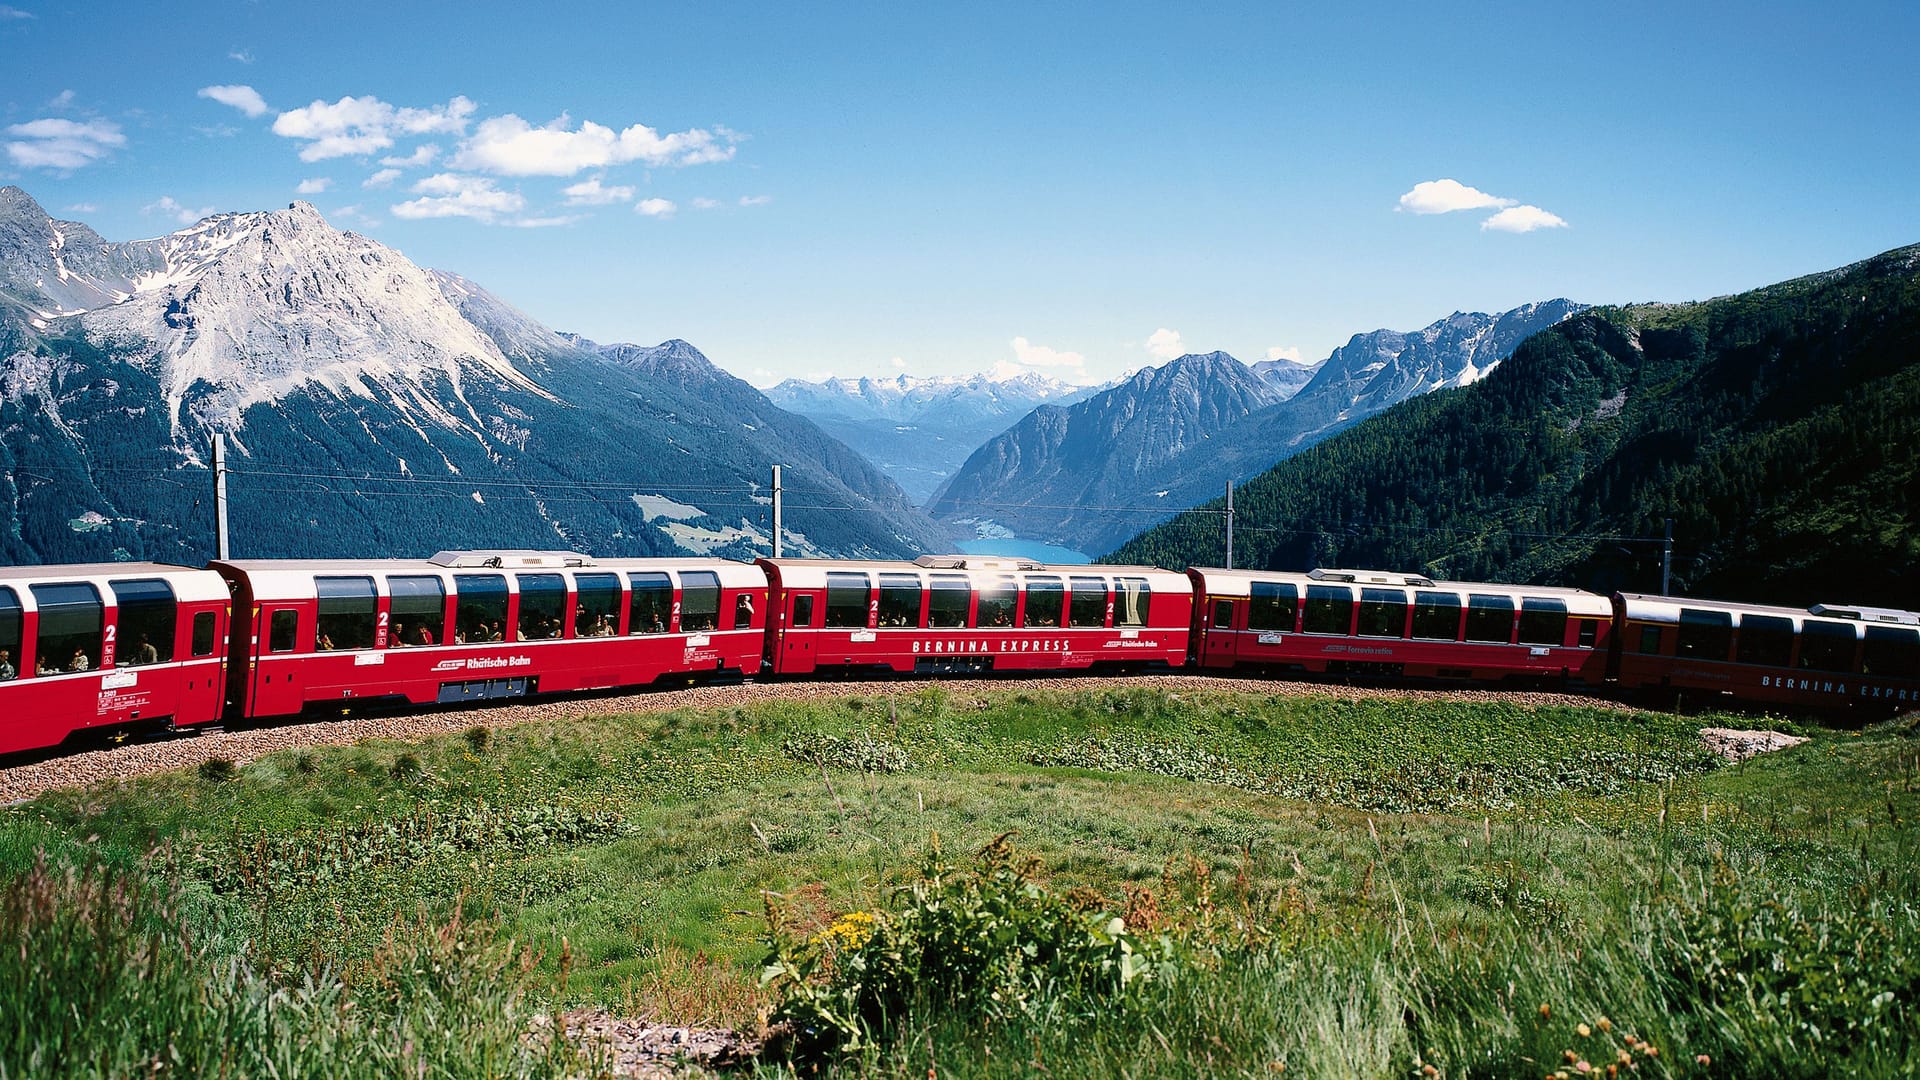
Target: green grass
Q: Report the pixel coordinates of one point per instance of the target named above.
(1422, 856)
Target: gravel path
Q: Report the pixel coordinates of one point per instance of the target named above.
(26, 781)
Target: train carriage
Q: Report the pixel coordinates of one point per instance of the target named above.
(965, 613)
(108, 647)
(1828, 656)
(1330, 622)
(474, 626)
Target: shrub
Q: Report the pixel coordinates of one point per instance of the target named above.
(218, 770)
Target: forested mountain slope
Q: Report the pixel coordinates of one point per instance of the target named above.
(1779, 429)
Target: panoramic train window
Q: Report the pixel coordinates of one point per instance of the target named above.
(1329, 610)
(899, 600)
(1131, 597)
(1272, 606)
(347, 612)
(203, 634)
(1383, 612)
(1087, 601)
(1765, 639)
(1543, 621)
(1826, 646)
(1489, 618)
(284, 630)
(417, 611)
(145, 623)
(1045, 597)
(1436, 616)
(997, 602)
(650, 607)
(543, 605)
(9, 635)
(71, 618)
(1891, 651)
(597, 611)
(1704, 635)
(699, 601)
(847, 600)
(947, 606)
(480, 608)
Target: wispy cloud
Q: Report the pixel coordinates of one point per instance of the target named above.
(655, 208)
(1446, 196)
(452, 195)
(61, 100)
(383, 178)
(1028, 356)
(242, 97)
(1523, 219)
(1285, 352)
(170, 207)
(245, 56)
(509, 146)
(365, 125)
(7, 12)
(592, 192)
(755, 200)
(704, 203)
(81, 208)
(315, 185)
(55, 143)
(1166, 344)
(422, 155)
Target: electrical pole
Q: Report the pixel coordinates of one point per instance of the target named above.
(220, 495)
(1666, 560)
(776, 511)
(1229, 524)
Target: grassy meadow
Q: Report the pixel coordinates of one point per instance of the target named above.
(992, 880)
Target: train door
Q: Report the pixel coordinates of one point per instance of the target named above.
(276, 672)
(1219, 650)
(797, 643)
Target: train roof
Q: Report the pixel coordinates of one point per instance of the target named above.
(812, 573)
(1220, 582)
(293, 578)
(1666, 609)
(188, 583)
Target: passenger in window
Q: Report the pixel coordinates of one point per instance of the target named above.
(743, 611)
(79, 661)
(324, 643)
(423, 636)
(6, 666)
(145, 653)
(42, 667)
(656, 627)
(496, 634)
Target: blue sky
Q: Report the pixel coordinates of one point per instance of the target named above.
(1074, 190)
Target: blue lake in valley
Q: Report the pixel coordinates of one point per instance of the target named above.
(1024, 549)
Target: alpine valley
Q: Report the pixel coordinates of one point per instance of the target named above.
(373, 407)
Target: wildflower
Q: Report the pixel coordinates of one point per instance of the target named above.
(1429, 1070)
(1650, 1050)
(1604, 1024)
(1582, 1067)
(1584, 1030)
(1570, 1056)
(1702, 1059)
(1625, 1058)
(1546, 1012)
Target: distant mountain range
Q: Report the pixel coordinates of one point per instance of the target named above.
(919, 430)
(374, 408)
(1777, 428)
(1090, 475)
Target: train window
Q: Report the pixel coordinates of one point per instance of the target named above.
(1132, 596)
(347, 613)
(1589, 632)
(283, 631)
(1543, 621)
(1649, 641)
(997, 602)
(1045, 597)
(847, 600)
(650, 606)
(1273, 606)
(1329, 610)
(1826, 646)
(1489, 618)
(803, 610)
(699, 601)
(9, 635)
(597, 609)
(1891, 651)
(1383, 612)
(71, 619)
(145, 623)
(1087, 601)
(543, 606)
(899, 600)
(203, 634)
(1436, 616)
(947, 605)
(480, 609)
(1765, 639)
(743, 611)
(1704, 635)
(417, 610)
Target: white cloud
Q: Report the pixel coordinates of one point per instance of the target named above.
(547, 222)
(452, 195)
(53, 143)
(510, 146)
(1523, 219)
(1446, 196)
(755, 200)
(244, 98)
(422, 155)
(1285, 352)
(245, 56)
(82, 208)
(704, 203)
(383, 178)
(315, 185)
(14, 13)
(898, 361)
(592, 193)
(61, 100)
(656, 207)
(364, 125)
(1166, 344)
(171, 207)
(1028, 356)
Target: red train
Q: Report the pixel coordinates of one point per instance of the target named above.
(125, 646)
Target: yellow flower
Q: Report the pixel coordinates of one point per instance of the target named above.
(1584, 1030)
(1605, 1024)
(849, 931)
